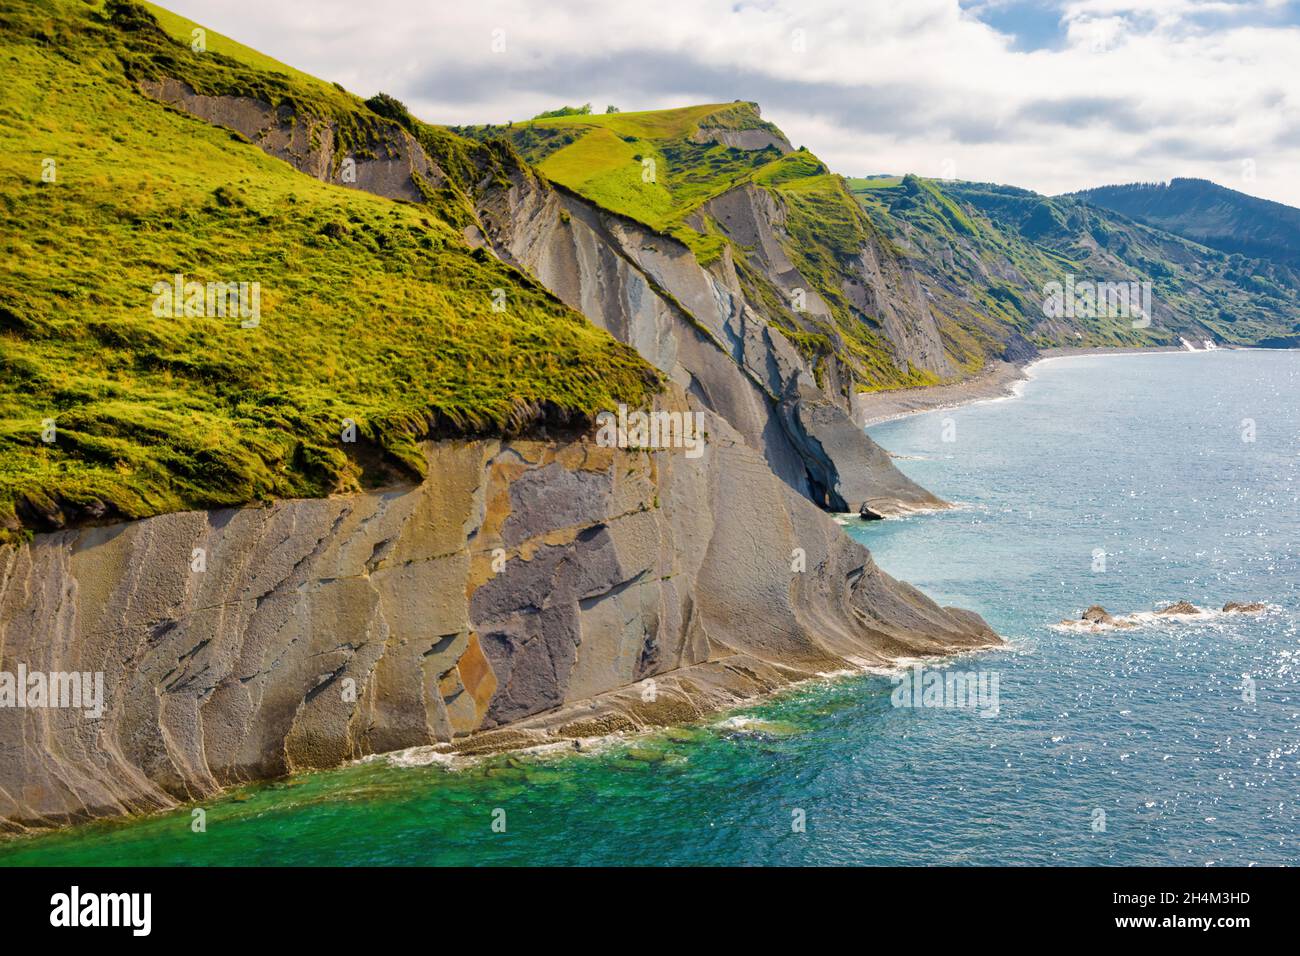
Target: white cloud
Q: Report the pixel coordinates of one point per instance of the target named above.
(1136, 90)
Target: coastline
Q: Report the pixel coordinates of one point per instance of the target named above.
(999, 380)
(654, 767)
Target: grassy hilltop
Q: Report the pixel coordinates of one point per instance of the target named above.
(603, 159)
(371, 310)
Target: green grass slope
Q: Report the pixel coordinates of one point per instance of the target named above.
(371, 310)
(182, 29)
(644, 165)
(1206, 212)
(1198, 291)
(603, 158)
(985, 253)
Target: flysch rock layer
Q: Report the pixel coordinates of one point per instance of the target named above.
(695, 324)
(523, 593)
(307, 143)
(648, 290)
(746, 139)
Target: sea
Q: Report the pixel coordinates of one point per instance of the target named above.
(1132, 482)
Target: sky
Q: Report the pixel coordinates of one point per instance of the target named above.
(1050, 95)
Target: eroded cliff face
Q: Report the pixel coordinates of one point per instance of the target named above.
(392, 165)
(693, 322)
(523, 593)
(695, 325)
(527, 592)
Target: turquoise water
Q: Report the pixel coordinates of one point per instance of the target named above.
(1139, 456)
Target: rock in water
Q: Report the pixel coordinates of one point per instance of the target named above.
(1182, 607)
(1097, 615)
(1254, 607)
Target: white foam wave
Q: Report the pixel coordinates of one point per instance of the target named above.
(420, 757)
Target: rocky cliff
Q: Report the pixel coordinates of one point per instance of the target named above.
(525, 592)
(696, 322)
(516, 584)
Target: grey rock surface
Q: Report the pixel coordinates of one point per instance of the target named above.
(523, 593)
(746, 139)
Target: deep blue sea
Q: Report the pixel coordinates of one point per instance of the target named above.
(1124, 481)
